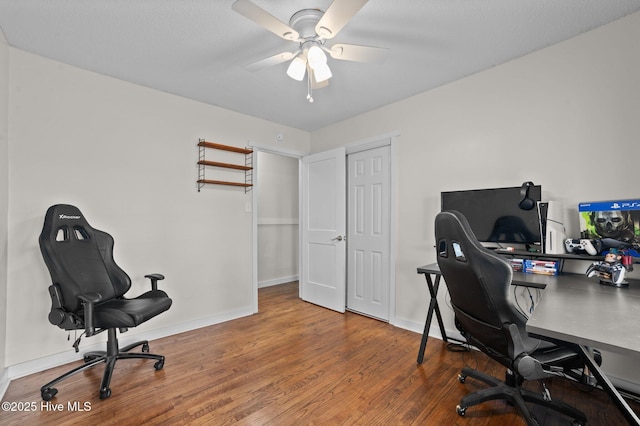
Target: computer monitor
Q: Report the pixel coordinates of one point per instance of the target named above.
(495, 215)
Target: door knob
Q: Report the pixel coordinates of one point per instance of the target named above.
(338, 238)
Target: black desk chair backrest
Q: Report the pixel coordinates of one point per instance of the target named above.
(479, 282)
(80, 258)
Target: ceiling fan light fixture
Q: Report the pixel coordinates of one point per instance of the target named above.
(316, 56)
(297, 68)
(322, 72)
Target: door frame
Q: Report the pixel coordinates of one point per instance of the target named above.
(391, 139)
(254, 209)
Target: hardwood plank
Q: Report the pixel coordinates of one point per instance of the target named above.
(292, 363)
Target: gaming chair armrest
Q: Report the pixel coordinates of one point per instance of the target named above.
(154, 280)
(524, 364)
(516, 345)
(88, 300)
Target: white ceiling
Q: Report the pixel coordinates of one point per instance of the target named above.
(197, 48)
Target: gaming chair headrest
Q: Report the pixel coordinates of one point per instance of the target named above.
(64, 222)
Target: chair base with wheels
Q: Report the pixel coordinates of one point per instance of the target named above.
(110, 356)
(510, 390)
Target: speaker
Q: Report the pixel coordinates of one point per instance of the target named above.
(552, 224)
(526, 203)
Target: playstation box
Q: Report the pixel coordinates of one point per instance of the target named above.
(617, 219)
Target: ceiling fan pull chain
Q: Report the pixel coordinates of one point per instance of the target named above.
(309, 88)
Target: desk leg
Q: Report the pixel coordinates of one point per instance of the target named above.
(433, 306)
(606, 384)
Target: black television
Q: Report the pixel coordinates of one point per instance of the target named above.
(495, 215)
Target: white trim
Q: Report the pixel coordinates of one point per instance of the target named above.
(254, 232)
(4, 382)
(395, 191)
(37, 365)
(624, 384)
(300, 221)
(277, 281)
(254, 201)
(277, 150)
(371, 143)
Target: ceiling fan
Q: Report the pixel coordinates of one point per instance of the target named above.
(311, 28)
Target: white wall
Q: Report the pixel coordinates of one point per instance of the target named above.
(565, 117)
(277, 219)
(4, 202)
(126, 156)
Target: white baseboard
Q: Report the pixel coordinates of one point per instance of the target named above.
(625, 384)
(434, 330)
(276, 281)
(50, 361)
(4, 382)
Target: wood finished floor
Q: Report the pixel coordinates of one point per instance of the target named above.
(294, 363)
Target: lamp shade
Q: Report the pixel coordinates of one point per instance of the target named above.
(297, 68)
(316, 56)
(322, 72)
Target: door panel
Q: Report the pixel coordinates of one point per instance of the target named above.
(368, 258)
(323, 229)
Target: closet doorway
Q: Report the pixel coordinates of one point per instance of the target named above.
(276, 217)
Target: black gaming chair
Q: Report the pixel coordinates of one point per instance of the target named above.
(87, 292)
(479, 281)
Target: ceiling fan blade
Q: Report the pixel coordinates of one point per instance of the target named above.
(353, 52)
(261, 17)
(270, 61)
(336, 17)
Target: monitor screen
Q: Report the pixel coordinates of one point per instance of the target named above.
(495, 215)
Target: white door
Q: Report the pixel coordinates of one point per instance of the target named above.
(369, 249)
(323, 229)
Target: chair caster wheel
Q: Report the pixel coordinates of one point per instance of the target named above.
(105, 393)
(158, 365)
(145, 347)
(461, 411)
(48, 394)
(462, 378)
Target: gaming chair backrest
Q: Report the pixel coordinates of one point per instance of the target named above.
(79, 257)
(478, 281)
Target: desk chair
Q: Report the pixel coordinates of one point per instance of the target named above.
(87, 292)
(479, 281)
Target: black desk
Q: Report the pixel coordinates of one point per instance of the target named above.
(576, 310)
(432, 275)
(580, 311)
